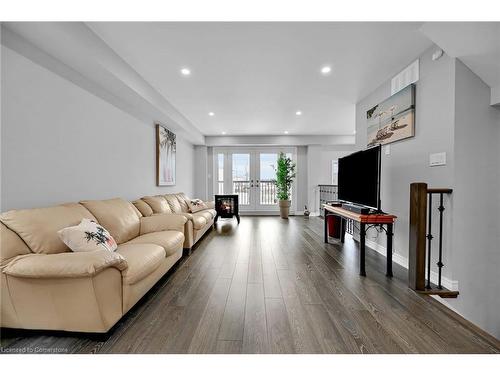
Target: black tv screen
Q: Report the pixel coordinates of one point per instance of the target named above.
(358, 178)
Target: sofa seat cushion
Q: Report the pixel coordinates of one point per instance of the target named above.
(64, 265)
(38, 226)
(142, 260)
(163, 222)
(199, 221)
(204, 214)
(118, 216)
(169, 240)
(211, 211)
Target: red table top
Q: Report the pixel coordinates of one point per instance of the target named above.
(361, 218)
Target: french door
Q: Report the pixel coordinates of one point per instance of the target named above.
(250, 173)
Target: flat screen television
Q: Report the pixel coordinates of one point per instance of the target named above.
(359, 178)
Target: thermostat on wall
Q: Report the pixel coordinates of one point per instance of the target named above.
(437, 159)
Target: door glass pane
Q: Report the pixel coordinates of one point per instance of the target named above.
(267, 186)
(220, 173)
(241, 177)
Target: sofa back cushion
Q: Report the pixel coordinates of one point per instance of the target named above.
(118, 216)
(38, 227)
(158, 204)
(136, 210)
(143, 207)
(174, 204)
(183, 201)
(11, 245)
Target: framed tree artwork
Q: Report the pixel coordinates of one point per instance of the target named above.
(165, 156)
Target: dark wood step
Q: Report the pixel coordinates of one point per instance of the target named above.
(443, 293)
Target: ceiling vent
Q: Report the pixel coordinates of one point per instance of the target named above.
(406, 77)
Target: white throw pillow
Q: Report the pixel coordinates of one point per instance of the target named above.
(87, 236)
(196, 205)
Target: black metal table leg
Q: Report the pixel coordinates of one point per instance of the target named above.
(362, 234)
(326, 226)
(389, 250)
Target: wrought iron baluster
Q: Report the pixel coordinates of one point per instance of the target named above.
(440, 261)
(429, 244)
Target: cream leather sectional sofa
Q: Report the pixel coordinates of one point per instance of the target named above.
(46, 286)
(197, 224)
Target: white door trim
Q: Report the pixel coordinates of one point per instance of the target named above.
(254, 169)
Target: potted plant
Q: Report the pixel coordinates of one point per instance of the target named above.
(285, 173)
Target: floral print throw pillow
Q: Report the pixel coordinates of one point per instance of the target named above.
(87, 236)
(196, 205)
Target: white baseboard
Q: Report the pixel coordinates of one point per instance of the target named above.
(397, 258)
(403, 262)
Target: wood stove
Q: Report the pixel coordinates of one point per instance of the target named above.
(227, 206)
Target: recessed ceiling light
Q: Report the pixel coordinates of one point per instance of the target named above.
(223, 133)
(185, 71)
(211, 114)
(298, 113)
(326, 69)
(286, 132)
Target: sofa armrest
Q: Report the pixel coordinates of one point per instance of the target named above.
(210, 204)
(64, 265)
(187, 215)
(161, 222)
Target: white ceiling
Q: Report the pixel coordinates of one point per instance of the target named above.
(477, 44)
(255, 76)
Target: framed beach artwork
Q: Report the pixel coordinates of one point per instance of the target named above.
(393, 119)
(165, 156)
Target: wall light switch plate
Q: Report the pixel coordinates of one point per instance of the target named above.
(387, 149)
(437, 159)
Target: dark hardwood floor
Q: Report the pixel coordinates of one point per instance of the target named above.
(272, 286)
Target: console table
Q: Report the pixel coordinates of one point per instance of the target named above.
(365, 222)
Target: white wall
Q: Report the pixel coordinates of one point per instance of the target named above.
(476, 232)
(201, 163)
(453, 115)
(60, 143)
(319, 161)
(409, 159)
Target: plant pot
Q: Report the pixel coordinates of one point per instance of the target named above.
(284, 208)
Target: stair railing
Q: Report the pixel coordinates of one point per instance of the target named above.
(421, 235)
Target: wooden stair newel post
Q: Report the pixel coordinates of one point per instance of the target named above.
(418, 207)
